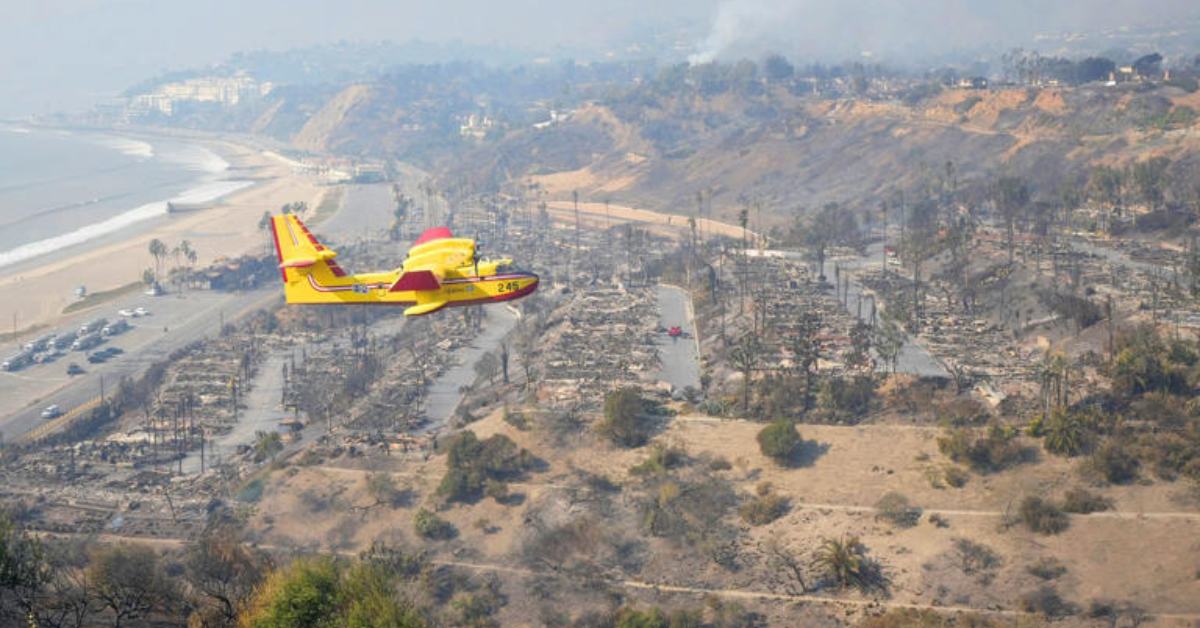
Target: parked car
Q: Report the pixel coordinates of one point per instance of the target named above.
(97, 358)
(51, 411)
(93, 326)
(115, 327)
(126, 313)
(87, 341)
(17, 361)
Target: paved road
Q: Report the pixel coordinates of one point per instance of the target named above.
(446, 391)
(680, 363)
(186, 318)
(263, 413)
(365, 213)
(913, 358)
(366, 210)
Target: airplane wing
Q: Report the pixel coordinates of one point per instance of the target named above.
(426, 285)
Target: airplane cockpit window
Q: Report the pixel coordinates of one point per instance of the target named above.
(505, 268)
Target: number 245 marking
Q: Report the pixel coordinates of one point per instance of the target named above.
(508, 286)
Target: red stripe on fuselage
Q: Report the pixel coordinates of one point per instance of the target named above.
(523, 292)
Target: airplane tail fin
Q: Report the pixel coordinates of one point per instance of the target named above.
(300, 255)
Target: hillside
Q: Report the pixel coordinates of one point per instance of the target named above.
(789, 152)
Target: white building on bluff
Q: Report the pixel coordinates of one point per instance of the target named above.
(227, 91)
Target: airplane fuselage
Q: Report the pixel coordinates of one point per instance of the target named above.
(463, 290)
(440, 271)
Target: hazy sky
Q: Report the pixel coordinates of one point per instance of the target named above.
(57, 54)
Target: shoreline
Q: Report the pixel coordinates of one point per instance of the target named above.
(34, 293)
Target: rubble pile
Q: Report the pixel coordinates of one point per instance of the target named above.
(784, 290)
(597, 340)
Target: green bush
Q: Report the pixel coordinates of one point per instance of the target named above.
(779, 441)
(763, 509)
(319, 592)
(1144, 363)
(955, 476)
(720, 463)
(661, 458)
(624, 423)
(302, 595)
(1113, 463)
(471, 463)
(430, 526)
(997, 450)
(1083, 502)
(1042, 516)
(252, 492)
(975, 557)
(895, 509)
(1045, 600)
(496, 490)
(1046, 569)
(844, 398)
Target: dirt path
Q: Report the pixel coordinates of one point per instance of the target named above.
(855, 508)
(677, 223)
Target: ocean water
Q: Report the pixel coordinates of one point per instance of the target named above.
(61, 189)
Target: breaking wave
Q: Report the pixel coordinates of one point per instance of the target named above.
(130, 147)
(206, 192)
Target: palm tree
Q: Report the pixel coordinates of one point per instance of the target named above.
(267, 445)
(159, 251)
(1064, 433)
(264, 225)
(745, 357)
(743, 220)
(842, 560)
(1054, 374)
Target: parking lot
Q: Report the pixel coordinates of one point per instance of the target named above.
(173, 321)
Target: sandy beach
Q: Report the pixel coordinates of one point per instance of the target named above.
(38, 295)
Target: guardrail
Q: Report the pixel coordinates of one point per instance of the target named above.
(52, 426)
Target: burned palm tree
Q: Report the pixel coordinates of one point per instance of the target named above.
(842, 560)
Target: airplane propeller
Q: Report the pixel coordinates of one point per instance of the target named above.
(475, 258)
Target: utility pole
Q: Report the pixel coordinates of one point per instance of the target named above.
(575, 198)
(883, 259)
(1108, 305)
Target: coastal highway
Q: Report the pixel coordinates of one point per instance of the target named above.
(175, 321)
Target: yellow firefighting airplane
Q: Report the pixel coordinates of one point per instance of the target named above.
(440, 271)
